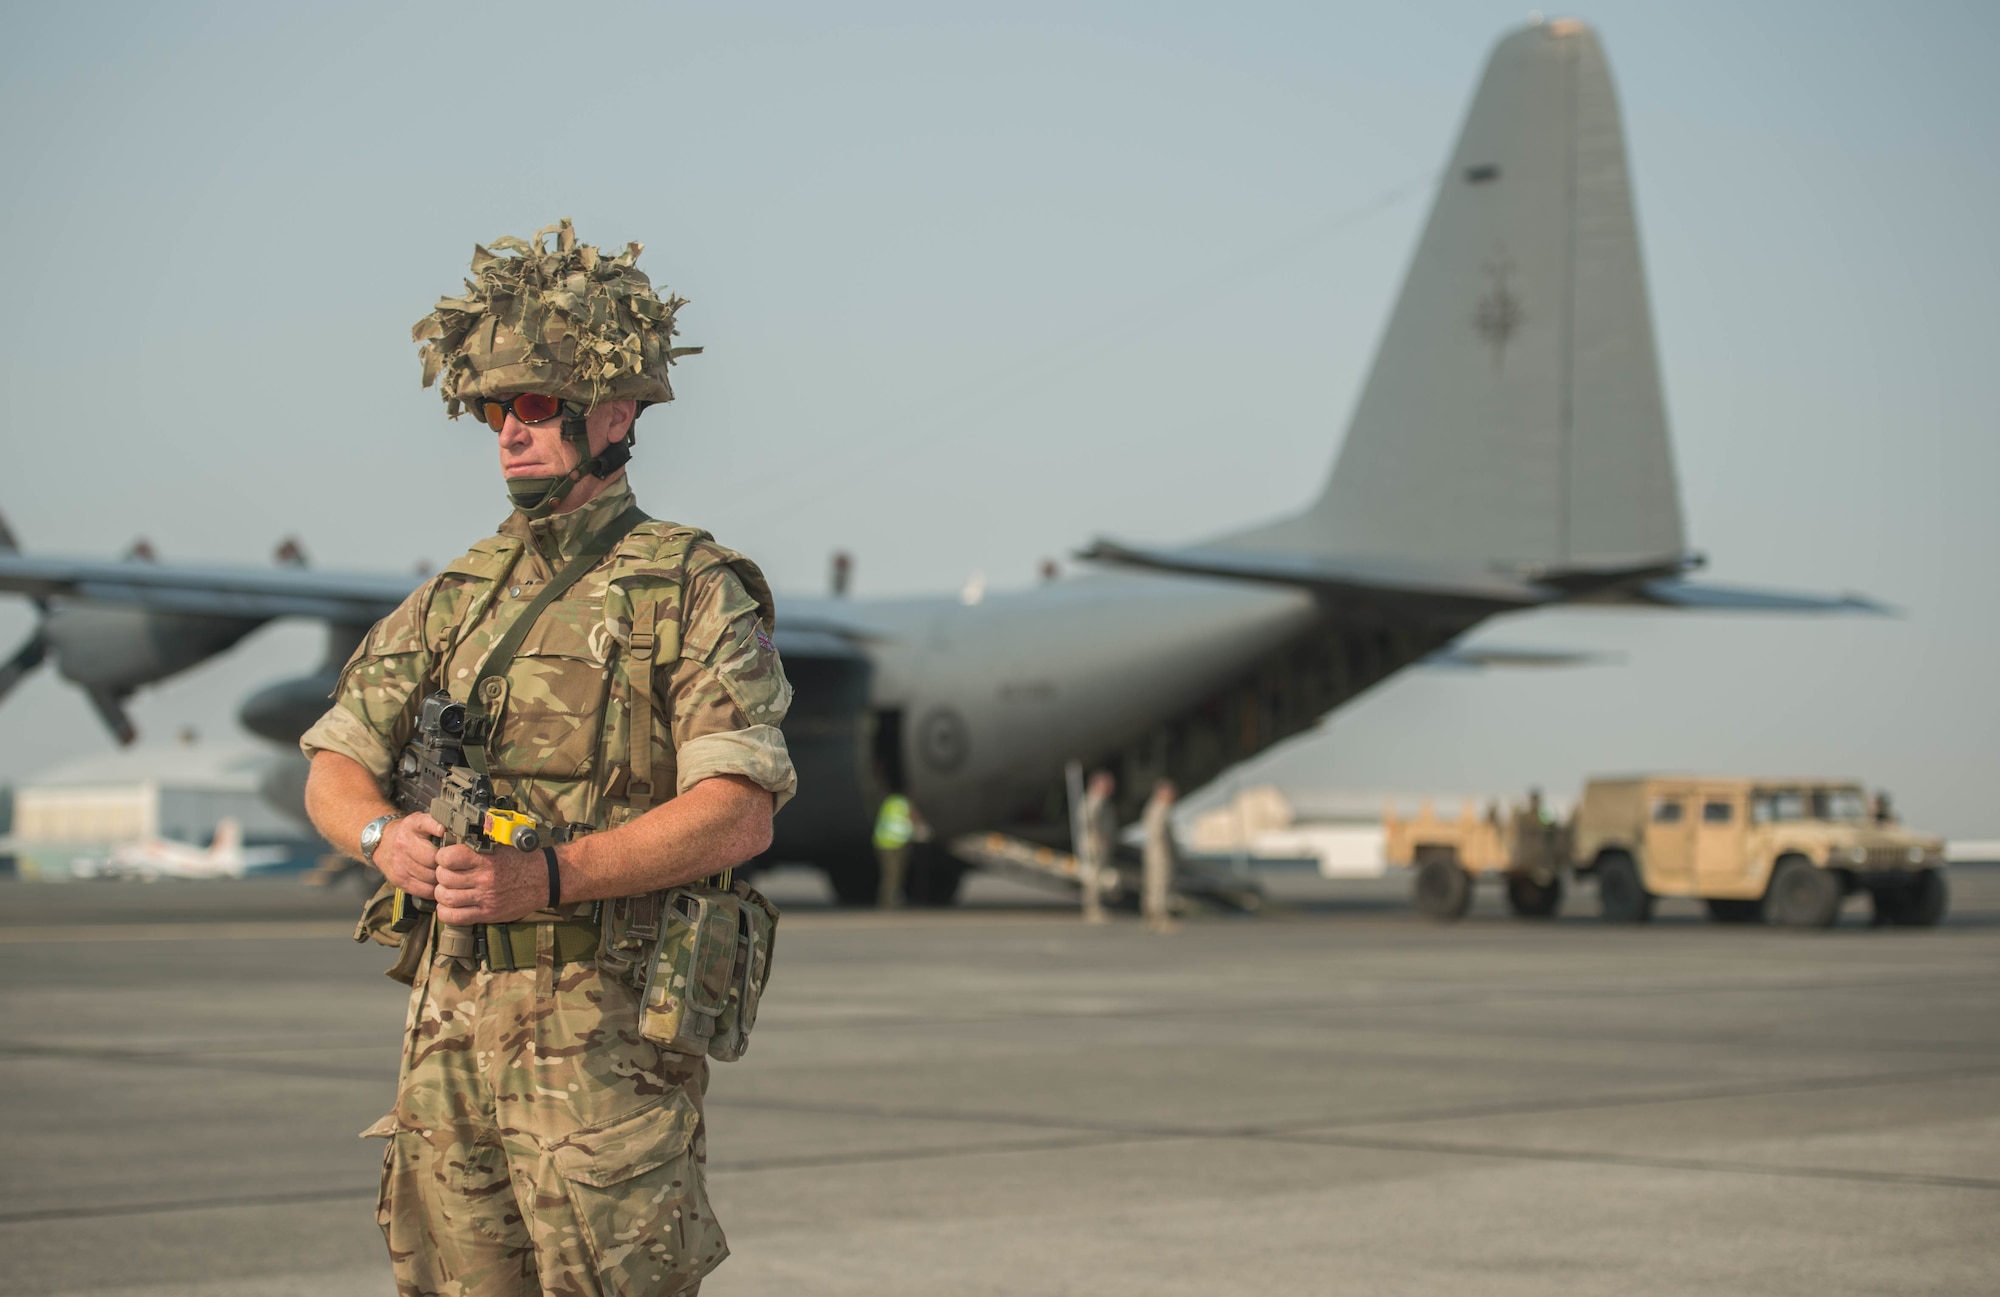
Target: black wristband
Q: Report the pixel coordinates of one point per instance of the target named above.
(555, 878)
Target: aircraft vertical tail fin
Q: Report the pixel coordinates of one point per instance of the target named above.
(1513, 417)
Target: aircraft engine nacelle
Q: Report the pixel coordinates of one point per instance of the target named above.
(111, 651)
(119, 649)
(281, 712)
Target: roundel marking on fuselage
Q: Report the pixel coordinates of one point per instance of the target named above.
(943, 740)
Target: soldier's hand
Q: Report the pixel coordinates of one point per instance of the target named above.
(497, 887)
(407, 854)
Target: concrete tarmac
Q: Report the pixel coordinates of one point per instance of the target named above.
(1337, 1098)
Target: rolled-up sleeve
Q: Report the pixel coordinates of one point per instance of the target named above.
(728, 691)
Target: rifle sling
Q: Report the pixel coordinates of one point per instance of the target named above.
(491, 687)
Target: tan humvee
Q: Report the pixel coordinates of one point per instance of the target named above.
(1527, 849)
(1785, 850)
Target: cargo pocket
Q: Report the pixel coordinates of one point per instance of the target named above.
(641, 1210)
(446, 1209)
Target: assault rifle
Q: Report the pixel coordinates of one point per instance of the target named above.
(432, 777)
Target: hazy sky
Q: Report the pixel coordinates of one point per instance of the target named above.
(979, 283)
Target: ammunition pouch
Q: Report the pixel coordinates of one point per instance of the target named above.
(709, 968)
(379, 924)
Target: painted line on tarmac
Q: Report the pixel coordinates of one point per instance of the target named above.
(1095, 1135)
(196, 930)
(857, 920)
(187, 1204)
(863, 1157)
(1323, 1130)
(1515, 1153)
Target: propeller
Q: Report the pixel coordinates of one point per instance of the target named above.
(25, 659)
(109, 704)
(111, 710)
(29, 655)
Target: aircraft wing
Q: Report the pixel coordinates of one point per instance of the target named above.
(1377, 578)
(1647, 584)
(202, 590)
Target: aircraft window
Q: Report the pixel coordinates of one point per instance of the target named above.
(1778, 804)
(1717, 812)
(1667, 811)
(1480, 173)
(1839, 804)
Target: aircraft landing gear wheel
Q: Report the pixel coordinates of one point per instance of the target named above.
(1802, 895)
(934, 878)
(1621, 896)
(1531, 898)
(1918, 903)
(1443, 891)
(1727, 911)
(856, 880)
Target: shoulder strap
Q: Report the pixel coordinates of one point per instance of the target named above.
(491, 685)
(650, 643)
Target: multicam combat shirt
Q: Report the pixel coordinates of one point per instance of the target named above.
(562, 746)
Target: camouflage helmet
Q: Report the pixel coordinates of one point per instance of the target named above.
(571, 323)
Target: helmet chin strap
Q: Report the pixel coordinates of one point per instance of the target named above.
(538, 497)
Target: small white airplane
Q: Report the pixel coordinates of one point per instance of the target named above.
(154, 858)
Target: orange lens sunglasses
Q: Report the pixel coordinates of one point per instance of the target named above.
(528, 407)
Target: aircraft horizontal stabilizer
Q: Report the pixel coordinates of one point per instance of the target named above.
(1352, 577)
(1479, 658)
(1727, 598)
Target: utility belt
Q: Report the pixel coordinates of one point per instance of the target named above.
(506, 947)
(698, 955)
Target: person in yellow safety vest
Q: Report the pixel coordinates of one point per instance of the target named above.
(897, 825)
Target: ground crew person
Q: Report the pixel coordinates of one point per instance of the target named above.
(1100, 841)
(1156, 892)
(539, 1143)
(897, 825)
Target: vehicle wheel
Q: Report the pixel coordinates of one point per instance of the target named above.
(1921, 903)
(934, 878)
(1443, 891)
(1529, 898)
(1802, 895)
(1889, 904)
(1726, 911)
(1621, 896)
(856, 880)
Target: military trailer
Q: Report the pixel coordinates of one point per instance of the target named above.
(1782, 851)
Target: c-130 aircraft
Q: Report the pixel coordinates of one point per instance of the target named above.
(1509, 452)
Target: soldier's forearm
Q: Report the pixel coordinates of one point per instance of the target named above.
(341, 797)
(715, 825)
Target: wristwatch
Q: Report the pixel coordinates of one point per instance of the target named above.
(371, 836)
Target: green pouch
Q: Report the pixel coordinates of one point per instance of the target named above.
(756, 936)
(693, 970)
(709, 971)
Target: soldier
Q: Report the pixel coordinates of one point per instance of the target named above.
(1156, 895)
(1100, 840)
(622, 687)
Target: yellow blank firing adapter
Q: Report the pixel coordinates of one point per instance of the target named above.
(512, 829)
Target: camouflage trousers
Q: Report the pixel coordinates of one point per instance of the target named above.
(540, 1145)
